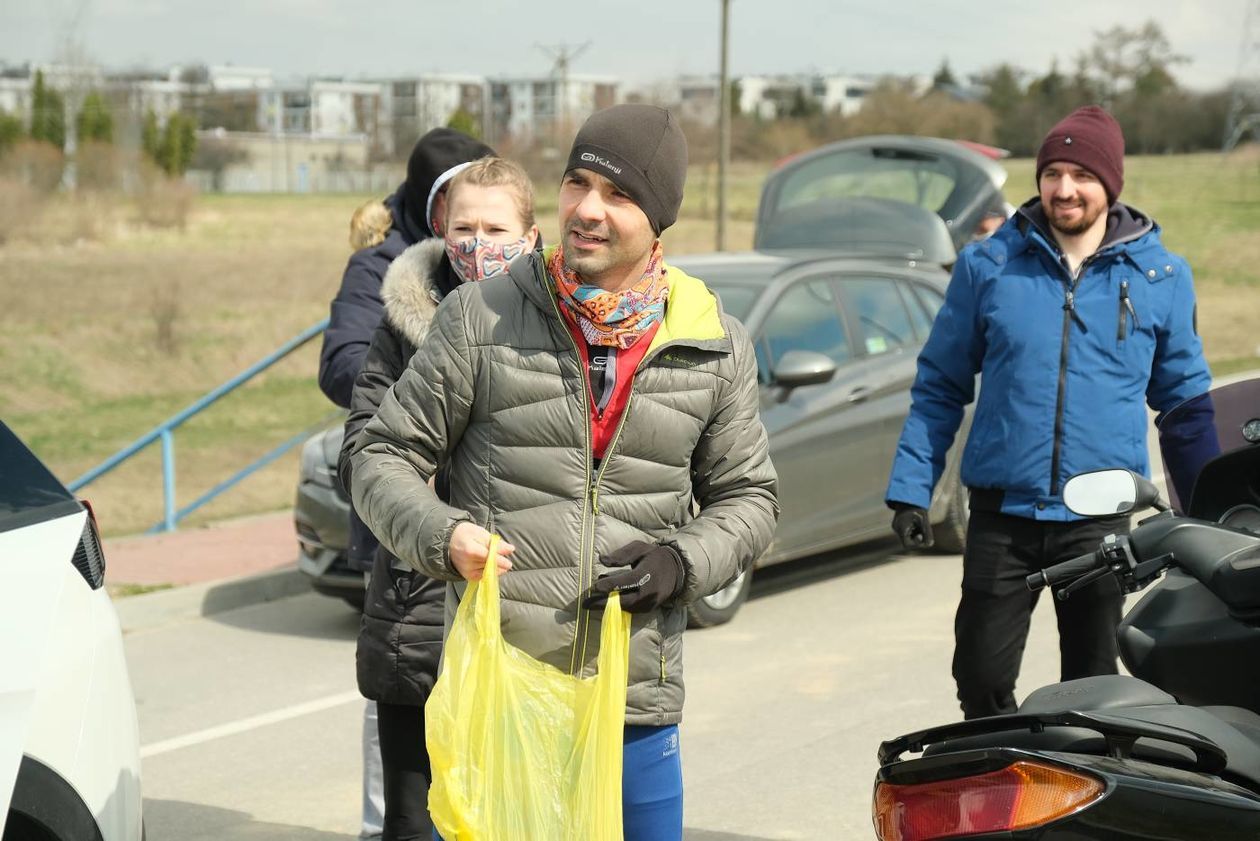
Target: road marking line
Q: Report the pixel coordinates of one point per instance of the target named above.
(243, 725)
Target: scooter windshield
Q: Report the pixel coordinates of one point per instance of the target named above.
(1212, 443)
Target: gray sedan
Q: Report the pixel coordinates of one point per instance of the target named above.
(836, 341)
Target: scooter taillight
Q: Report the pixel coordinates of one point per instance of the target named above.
(1021, 795)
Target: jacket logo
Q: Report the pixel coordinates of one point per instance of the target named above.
(592, 158)
(676, 361)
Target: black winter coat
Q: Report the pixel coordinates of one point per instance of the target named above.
(356, 311)
(400, 638)
(355, 315)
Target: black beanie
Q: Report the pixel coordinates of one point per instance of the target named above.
(641, 149)
(1091, 138)
(432, 159)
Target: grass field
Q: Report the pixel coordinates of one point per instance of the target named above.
(100, 340)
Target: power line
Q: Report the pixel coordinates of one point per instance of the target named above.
(562, 55)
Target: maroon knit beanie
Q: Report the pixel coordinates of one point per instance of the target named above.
(1088, 137)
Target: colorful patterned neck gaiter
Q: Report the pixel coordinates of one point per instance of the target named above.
(478, 259)
(612, 319)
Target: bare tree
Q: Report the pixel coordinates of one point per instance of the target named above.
(1123, 57)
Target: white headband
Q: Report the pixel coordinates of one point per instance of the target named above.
(437, 186)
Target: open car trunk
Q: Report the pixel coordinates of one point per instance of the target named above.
(895, 196)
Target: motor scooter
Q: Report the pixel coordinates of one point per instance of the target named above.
(1170, 751)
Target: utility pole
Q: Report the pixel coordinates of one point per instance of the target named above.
(1244, 106)
(724, 127)
(562, 55)
(76, 78)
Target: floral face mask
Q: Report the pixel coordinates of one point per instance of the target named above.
(477, 258)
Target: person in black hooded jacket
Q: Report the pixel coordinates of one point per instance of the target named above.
(356, 312)
(357, 309)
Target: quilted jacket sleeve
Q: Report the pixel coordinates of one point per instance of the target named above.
(420, 420)
(734, 482)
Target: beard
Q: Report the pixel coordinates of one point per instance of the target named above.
(1089, 216)
(592, 264)
(623, 249)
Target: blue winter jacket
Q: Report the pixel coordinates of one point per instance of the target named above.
(1066, 364)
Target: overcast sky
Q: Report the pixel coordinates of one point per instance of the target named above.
(636, 40)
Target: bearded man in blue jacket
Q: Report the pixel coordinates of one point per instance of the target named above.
(1077, 317)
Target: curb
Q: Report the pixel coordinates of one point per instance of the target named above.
(165, 607)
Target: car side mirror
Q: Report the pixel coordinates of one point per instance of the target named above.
(803, 367)
(1106, 493)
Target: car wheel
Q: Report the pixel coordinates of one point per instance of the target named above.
(720, 607)
(950, 535)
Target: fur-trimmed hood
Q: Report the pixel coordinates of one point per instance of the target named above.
(411, 290)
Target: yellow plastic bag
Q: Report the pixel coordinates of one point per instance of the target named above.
(520, 750)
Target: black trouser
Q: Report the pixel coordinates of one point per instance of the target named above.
(406, 771)
(991, 626)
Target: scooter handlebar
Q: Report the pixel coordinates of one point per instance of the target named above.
(1066, 571)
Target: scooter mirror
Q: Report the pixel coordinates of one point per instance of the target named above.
(1106, 493)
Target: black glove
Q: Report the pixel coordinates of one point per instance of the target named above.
(912, 525)
(652, 576)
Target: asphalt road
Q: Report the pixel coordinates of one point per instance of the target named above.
(250, 720)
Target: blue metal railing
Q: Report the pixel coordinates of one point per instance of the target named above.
(165, 432)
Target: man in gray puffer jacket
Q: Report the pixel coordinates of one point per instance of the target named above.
(579, 404)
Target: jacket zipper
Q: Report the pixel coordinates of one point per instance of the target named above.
(594, 489)
(1126, 311)
(591, 502)
(599, 475)
(588, 503)
(586, 563)
(608, 453)
(625, 413)
(1069, 315)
